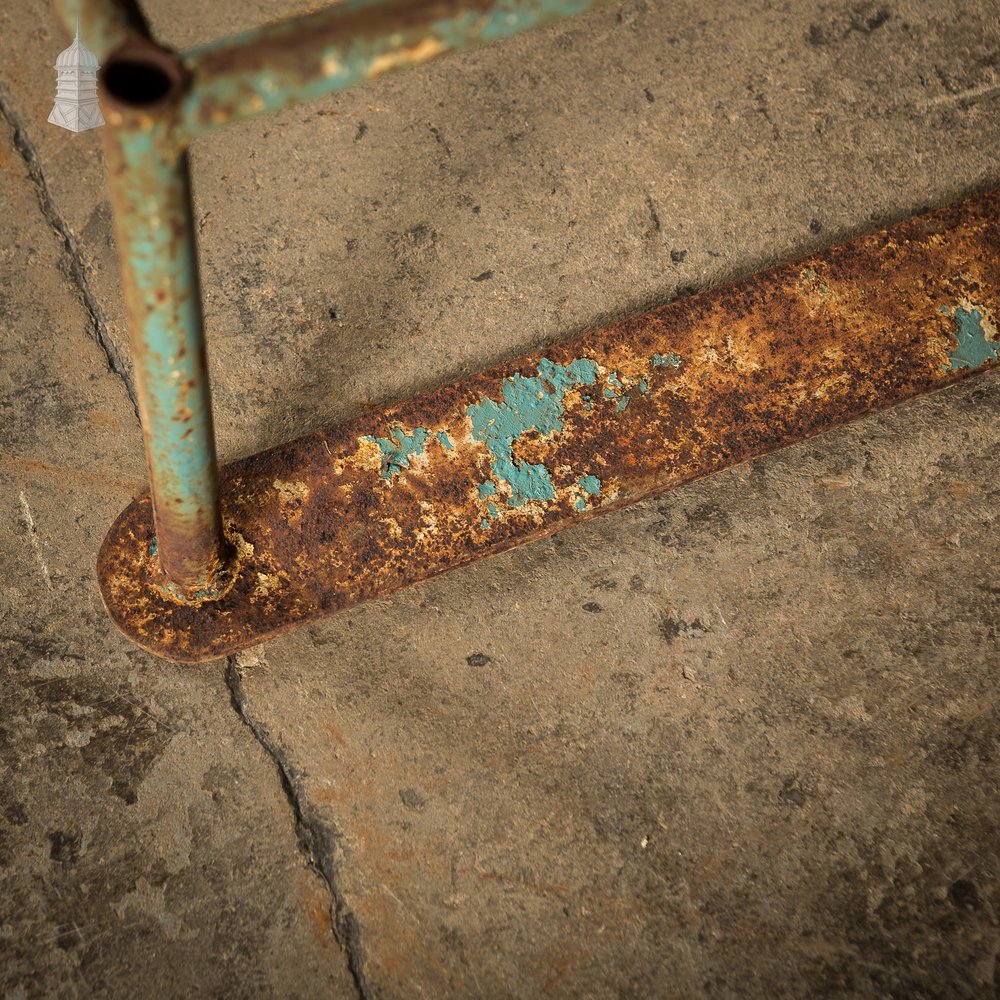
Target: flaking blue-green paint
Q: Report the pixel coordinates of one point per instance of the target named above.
(182, 452)
(622, 404)
(527, 404)
(255, 73)
(973, 350)
(508, 17)
(613, 385)
(398, 448)
(667, 360)
(445, 441)
(590, 485)
(487, 489)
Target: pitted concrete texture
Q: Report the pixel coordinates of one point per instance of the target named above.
(739, 741)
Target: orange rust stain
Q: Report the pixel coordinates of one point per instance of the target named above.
(336, 795)
(562, 967)
(61, 473)
(317, 910)
(335, 733)
(101, 418)
(405, 954)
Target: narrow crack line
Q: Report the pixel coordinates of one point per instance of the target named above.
(74, 260)
(316, 843)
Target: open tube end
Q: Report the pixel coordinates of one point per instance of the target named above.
(140, 76)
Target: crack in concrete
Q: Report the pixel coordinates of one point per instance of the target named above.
(75, 267)
(316, 843)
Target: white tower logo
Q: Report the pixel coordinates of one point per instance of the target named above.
(76, 106)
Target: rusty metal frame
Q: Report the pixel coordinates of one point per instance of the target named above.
(156, 102)
(205, 565)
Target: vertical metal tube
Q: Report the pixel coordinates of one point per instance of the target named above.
(150, 189)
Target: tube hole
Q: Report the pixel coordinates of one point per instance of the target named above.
(136, 83)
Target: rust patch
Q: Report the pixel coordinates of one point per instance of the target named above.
(616, 415)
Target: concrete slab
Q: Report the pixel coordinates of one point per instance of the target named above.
(146, 844)
(741, 741)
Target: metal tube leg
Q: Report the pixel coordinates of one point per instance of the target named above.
(151, 195)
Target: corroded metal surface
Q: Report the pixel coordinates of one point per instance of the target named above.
(618, 414)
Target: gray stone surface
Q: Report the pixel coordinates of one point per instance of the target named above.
(738, 741)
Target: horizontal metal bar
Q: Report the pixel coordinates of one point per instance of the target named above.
(621, 413)
(266, 69)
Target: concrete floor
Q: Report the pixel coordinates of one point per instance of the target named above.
(739, 741)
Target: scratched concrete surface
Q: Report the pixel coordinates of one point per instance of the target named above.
(738, 741)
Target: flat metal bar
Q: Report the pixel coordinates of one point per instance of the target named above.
(618, 414)
(151, 194)
(266, 69)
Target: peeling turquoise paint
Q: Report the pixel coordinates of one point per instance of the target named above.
(445, 441)
(589, 484)
(667, 360)
(492, 508)
(614, 386)
(643, 386)
(528, 404)
(398, 448)
(508, 19)
(486, 490)
(973, 350)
